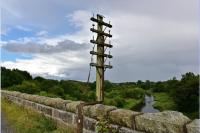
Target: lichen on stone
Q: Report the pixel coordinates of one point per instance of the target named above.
(162, 122)
(97, 111)
(123, 117)
(194, 126)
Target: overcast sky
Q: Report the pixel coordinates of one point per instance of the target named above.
(152, 39)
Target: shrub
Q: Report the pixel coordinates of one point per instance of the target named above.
(135, 93)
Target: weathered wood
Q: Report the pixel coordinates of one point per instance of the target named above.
(100, 62)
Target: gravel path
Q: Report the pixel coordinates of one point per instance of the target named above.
(5, 128)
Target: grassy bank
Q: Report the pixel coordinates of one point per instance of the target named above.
(28, 121)
(164, 102)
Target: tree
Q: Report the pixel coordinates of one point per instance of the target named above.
(56, 90)
(27, 87)
(13, 77)
(186, 94)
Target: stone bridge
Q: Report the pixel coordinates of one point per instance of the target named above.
(124, 121)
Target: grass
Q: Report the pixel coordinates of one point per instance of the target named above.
(29, 121)
(134, 104)
(129, 103)
(164, 102)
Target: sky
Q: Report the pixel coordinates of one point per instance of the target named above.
(152, 39)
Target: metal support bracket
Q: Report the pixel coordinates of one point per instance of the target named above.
(80, 117)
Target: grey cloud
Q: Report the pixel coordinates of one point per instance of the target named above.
(156, 64)
(51, 14)
(31, 47)
(155, 51)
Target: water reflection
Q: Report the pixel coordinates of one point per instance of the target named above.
(148, 107)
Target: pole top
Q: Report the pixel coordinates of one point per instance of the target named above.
(101, 16)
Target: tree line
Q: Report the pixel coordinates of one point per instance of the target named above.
(185, 92)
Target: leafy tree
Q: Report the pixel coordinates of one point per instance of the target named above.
(135, 93)
(107, 85)
(147, 85)
(27, 87)
(186, 93)
(159, 87)
(39, 79)
(56, 90)
(47, 84)
(13, 77)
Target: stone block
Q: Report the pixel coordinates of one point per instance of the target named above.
(128, 130)
(57, 103)
(89, 124)
(63, 115)
(38, 99)
(162, 122)
(72, 106)
(194, 126)
(123, 117)
(45, 109)
(14, 93)
(97, 111)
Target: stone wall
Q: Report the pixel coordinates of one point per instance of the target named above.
(122, 120)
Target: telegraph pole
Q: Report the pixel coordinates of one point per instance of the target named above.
(101, 57)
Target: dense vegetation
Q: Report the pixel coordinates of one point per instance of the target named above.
(27, 121)
(173, 94)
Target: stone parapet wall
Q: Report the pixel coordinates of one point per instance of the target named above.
(124, 121)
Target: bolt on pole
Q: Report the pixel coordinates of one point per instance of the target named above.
(100, 54)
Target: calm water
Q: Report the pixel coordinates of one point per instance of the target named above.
(148, 107)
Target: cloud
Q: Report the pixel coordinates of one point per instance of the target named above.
(58, 65)
(152, 39)
(23, 28)
(31, 47)
(42, 33)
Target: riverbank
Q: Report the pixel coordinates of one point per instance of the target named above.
(28, 121)
(163, 101)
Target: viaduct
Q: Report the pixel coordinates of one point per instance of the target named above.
(122, 120)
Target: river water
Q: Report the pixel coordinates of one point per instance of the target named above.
(148, 107)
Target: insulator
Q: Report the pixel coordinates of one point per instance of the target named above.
(109, 42)
(93, 37)
(109, 52)
(93, 26)
(109, 31)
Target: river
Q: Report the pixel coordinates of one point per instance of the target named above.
(148, 107)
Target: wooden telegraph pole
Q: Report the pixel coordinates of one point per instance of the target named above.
(100, 54)
(100, 65)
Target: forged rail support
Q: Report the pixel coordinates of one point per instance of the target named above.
(79, 119)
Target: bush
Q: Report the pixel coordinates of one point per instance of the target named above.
(27, 87)
(56, 90)
(116, 101)
(136, 93)
(186, 95)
